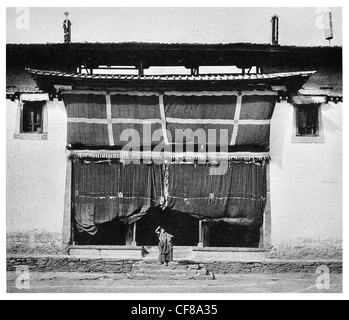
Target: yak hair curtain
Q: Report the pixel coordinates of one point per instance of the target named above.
(106, 190)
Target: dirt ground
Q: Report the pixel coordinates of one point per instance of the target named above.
(107, 283)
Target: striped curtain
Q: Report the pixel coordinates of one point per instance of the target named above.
(104, 191)
(240, 119)
(107, 190)
(238, 197)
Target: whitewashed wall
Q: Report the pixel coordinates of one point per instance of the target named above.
(36, 183)
(306, 185)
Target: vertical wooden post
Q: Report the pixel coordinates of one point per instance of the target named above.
(129, 236)
(201, 235)
(206, 235)
(134, 242)
(67, 220)
(141, 69)
(266, 241)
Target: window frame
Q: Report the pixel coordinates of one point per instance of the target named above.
(19, 134)
(320, 138)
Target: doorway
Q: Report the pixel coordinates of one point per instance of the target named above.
(223, 234)
(182, 226)
(109, 234)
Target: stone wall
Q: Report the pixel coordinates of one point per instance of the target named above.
(70, 264)
(323, 250)
(34, 242)
(99, 265)
(270, 266)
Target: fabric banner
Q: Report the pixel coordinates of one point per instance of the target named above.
(99, 120)
(133, 114)
(200, 113)
(240, 194)
(85, 218)
(246, 118)
(108, 190)
(239, 119)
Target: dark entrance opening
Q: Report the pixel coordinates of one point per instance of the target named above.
(182, 226)
(223, 234)
(109, 234)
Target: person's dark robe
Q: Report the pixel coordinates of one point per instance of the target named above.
(165, 248)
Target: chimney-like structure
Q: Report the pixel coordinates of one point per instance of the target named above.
(67, 28)
(328, 26)
(275, 30)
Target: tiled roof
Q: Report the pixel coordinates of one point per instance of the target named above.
(210, 77)
(60, 56)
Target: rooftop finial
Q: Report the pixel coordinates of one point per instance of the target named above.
(67, 28)
(328, 27)
(275, 29)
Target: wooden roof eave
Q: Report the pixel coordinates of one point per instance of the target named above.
(46, 81)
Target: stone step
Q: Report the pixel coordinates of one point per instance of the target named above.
(164, 267)
(152, 264)
(142, 277)
(176, 256)
(175, 252)
(156, 273)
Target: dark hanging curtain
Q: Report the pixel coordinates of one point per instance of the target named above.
(254, 108)
(104, 191)
(108, 190)
(238, 197)
(199, 108)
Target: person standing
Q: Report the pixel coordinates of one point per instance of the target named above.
(165, 246)
(67, 28)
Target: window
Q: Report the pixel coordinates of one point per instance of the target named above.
(32, 120)
(307, 122)
(32, 117)
(308, 126)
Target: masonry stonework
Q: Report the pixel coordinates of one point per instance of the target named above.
(99, 265)
(34, 242)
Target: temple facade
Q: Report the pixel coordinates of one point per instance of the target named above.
(232, 148)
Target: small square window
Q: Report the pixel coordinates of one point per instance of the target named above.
(307, 121)
(32, 119)
(308, 126)
(31, 123)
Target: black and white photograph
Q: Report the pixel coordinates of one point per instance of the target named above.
(174, 150)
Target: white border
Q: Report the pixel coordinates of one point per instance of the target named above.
(178, 3)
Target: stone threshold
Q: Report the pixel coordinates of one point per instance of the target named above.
(179, 253)
(227, 249)
(124, 248)
(201, 249)
(75, 258)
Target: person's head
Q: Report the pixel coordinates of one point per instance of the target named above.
(162, 230)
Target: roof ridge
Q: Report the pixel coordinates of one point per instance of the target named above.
(183, 44)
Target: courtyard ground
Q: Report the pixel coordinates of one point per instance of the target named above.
(113, 283)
